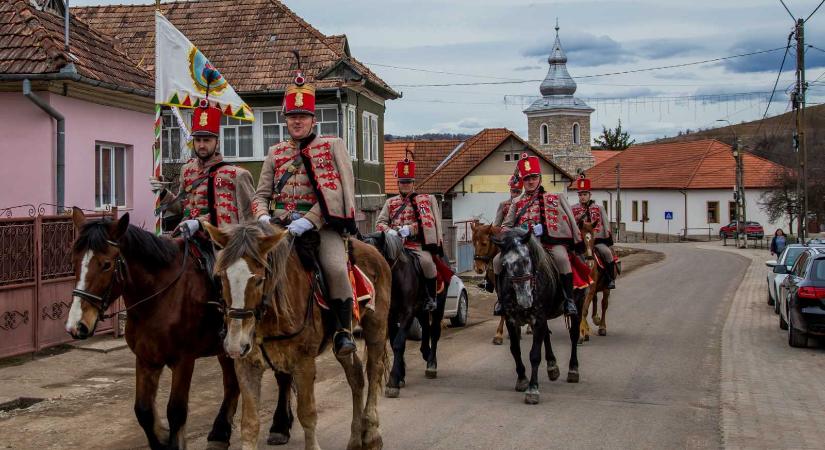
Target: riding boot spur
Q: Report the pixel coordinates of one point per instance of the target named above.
(567, 292)
(431, 288)
(342, 342)
(609, 270)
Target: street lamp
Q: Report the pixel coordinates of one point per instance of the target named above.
(739, 196)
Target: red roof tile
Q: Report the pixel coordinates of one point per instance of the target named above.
(32, 42)
(603, 155)
(427, 155)
(704, 164)
(250, 41)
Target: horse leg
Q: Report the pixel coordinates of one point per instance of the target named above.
(249, 373)
(603, 322)
(146, 389)
(435, 334)
(584, 333)
(515, 349)
(553, 371)
(178, 405)
(498, 339)
(424, 321)
(222, 426)
(307, 414)
(354, 371)
(398, 340)
(531, 397)
(573, 366)
(595, 312)
(282, 417)
(376, 353)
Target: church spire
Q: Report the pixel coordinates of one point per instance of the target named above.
(558, 81)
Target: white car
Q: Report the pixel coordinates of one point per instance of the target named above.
(786, 258)
(455, 308)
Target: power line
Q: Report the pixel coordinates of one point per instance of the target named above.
(624, 72)
(786, 9)
(815, 10)
(415, 69)
(781, 66)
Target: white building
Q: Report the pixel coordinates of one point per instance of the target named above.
(694, 181)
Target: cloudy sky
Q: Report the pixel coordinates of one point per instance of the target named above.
(497, 41)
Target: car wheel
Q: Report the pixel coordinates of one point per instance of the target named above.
(795, 337)
(782, 324)
(461, 314)
(415, 331)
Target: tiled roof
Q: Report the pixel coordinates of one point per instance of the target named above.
(473, 151)
(32, 42)
(705, 164)
(427, 155)
(249, 41)
(603, 155)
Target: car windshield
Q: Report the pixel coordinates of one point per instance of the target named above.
(791, 254)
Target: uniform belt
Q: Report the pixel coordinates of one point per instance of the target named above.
(299, 207)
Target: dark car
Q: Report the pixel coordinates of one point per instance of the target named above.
(802, 308)
(753, 230)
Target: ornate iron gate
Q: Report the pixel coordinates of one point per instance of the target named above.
(36, 280)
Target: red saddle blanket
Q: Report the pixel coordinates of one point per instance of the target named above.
(581, 272)
(362, 288)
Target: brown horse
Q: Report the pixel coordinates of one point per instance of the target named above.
(169, 321)
(599, 286)
(273, 319)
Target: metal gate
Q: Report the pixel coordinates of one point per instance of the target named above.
(465, 252)
(36, 280)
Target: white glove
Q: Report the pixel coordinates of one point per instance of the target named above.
(404, 231)
(265, 219)
(538, 229)
(189, 227)
(391, 232)
(156, 184)
(300, 226)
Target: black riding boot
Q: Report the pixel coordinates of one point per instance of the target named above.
(342, 342)
(609, 270)
(430, 291)
(567, 292)
(498, 309)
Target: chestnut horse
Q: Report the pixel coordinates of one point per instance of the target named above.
(169, 323)
(273, 319)
(599, 286)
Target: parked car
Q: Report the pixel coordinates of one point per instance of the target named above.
(786, 258)
(456, 308)
(753, 229)
(802, 307)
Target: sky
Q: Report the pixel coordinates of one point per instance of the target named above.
(497, 41)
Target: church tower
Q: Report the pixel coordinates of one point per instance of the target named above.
(558, 123)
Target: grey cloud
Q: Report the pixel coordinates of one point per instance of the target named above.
(666, 48)
(584, 49)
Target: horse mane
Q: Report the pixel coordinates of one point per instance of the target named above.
(393, 248)
(545, 268)
(136, 244)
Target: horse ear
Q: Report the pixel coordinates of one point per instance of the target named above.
(120, 227)
(218, 237)
(267, 243)
(78, 217)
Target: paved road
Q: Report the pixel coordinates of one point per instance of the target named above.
(653, 382)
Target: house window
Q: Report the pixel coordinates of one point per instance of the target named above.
(713, 212)
(635, 211)
(576, 133)
(110, 175)
(369, 137)
(604, 205)
(731, 211)
(236, 138)
(172, 140)
(327, 119)
(352, 133)
(273, 126)
(645, 217)
(545, 134)
(512, 156)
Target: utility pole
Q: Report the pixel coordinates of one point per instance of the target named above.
(799, 136)
(618, 200)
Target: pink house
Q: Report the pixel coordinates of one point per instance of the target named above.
(102, 99)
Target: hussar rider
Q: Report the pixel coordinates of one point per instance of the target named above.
(417, 219)
(588, 211)
(516, 185)
(307, 184)
(550, 218)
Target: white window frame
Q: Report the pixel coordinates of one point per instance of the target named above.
(369, 137)
(544, 134)
(318, 115)
(105, 146)
(577, 131)
(352, 132)
(258, 131)
(374, 138)
(255, 138)
(185, 152)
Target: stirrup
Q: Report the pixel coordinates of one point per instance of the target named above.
(430, 305)
(343, 343)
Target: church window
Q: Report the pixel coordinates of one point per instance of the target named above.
(545, 134)
(576, 134)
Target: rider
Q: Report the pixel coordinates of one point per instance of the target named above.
(310, 183)
(549, 217)
(417, 218)
(591, 212)
(516, 186)
(211, 190)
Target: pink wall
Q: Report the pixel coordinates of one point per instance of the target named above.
(28, 175)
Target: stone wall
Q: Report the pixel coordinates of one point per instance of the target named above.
(561, 148)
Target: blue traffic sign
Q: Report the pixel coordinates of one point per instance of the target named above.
(668, 215)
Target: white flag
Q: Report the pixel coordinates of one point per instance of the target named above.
(181, 71)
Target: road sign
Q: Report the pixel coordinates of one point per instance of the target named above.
(668, 215)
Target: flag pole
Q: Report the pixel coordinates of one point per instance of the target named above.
(157, 160)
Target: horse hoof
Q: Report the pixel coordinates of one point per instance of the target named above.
(392, 392)
(373, 441)
(521, 384)
(431, 373)
(602, 332)
(498, 340)
(402, 384)
(276, 438)
(553, 372)
(532, 397)
(572, 376)
(218, 445)
(529, 331)
(581, 341)
(586, 337)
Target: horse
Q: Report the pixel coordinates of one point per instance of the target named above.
(273, 318)
(529, 286)
(599, 286)
(169, 322)
(485, 251)
(407, 304)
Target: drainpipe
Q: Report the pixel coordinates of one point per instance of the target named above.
(684, 192)
(61, 140)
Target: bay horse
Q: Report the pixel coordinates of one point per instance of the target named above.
(273, 319)
(169, 321)
(407, 303)
(599, 286)
(529, 287)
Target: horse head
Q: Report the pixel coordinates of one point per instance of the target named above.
(99, 271)
(586, 229)
(247, 280)
(517, 265)
(483, 245)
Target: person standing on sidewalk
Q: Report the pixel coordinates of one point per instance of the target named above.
(778, 242)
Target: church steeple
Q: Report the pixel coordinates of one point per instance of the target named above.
(558, 81)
